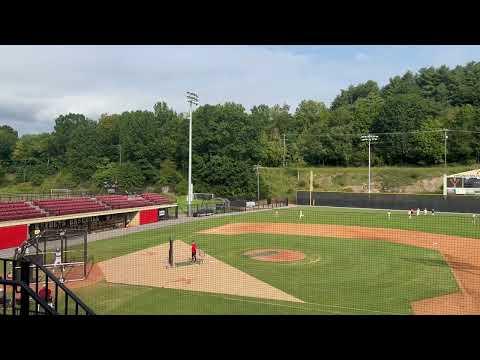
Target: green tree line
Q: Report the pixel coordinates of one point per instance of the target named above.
(136, 149)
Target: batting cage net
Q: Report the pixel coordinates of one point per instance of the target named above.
(62, 251)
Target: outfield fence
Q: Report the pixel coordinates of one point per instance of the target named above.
(451, 203)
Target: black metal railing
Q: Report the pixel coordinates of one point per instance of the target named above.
(27, 288)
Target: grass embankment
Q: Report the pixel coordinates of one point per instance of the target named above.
(286, 181)
(348, 277)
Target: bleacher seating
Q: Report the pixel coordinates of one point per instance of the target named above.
(156, 199)
(53, 207)
(123, 201)
(70, 206)
(18, 210)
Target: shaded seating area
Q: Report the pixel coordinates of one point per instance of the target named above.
(156, 199)
(18, 210)
(70, 206)
(123, 201)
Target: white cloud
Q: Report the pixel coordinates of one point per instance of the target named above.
(38, 83)
(361, 56)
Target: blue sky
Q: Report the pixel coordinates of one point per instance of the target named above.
(38, 83)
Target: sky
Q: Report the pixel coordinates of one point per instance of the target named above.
(38, 83)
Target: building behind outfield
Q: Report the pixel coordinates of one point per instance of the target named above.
(465, 183)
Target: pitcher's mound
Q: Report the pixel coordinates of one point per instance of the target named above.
(275, 255)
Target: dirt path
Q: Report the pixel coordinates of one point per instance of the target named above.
(94, 275)
(148, 267)
(461, 254)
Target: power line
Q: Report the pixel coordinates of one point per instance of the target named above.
(359, 135)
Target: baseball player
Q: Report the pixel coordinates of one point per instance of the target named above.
(194, 252)
(418, 211)
(474, 218)
(301, 215)
(389, 213)
(433, 212)
(410, 213)
(276, 212)
(425, 211)
(58, 258)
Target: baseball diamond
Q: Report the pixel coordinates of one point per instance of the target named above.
(332, 261)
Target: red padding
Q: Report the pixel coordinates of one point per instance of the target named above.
(13, 236)
(148, 216)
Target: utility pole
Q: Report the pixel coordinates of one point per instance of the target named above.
(369, 138)
(120, 152)
(445, 164)
(284, 150)
(192, 99)
(257, 168)
(445, 150)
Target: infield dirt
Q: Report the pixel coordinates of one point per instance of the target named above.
(148, 267)
(461, 254)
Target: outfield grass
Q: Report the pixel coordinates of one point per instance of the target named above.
(349, 277)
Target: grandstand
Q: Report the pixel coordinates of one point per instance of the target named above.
(70, 206)
(123, 201)
(155, 198)
(19, 219)
(18, 210)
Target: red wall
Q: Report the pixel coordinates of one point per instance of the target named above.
(148, 216)
(13, 236)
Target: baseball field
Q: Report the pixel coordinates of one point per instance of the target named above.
(298, 260)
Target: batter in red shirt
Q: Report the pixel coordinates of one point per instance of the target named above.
(194, 252)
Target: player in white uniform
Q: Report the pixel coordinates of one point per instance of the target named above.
(474, 218)
(58, 258)
(425, 211)
(409, 213)
(389, 213)
(301, 215)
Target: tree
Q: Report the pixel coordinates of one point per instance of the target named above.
(127, 176)
(64, 128)
(32, 155)
(402, 113)
(8, 139)
(353, 93)
(83, 152)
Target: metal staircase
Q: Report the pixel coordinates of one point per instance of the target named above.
(27, 288)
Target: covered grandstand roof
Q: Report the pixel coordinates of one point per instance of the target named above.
(470, 173)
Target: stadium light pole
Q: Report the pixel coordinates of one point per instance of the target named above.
(369, 138)
(192, 99)
(257, 167)
(445, 150)
(120, 153)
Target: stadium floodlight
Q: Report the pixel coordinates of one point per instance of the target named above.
(445, 150)
(192, 99)
(257, 168)
(369, 138)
